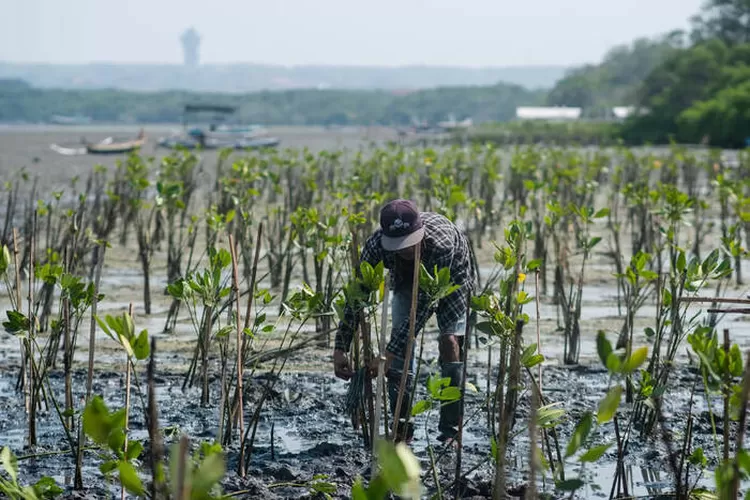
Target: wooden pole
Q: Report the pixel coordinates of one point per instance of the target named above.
(410, 341)
(380, 384)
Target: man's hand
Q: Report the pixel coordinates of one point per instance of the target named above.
(342, 368)
(375, 364)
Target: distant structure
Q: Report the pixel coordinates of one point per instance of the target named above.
(190, 43)
(551, 113)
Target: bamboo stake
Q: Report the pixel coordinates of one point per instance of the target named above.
(462, 402)
(538, 335)
(410, 342)
(718, 300)
(240, 406)
(379, 387)
(157, 450)
(183, 489)
(98, 262)
(127, 404)
(32, 333)
(742, 310)
(22, 378)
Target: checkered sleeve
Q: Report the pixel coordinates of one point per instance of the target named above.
(372, 253)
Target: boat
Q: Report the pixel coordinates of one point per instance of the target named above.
(203, 142)
(217, 135)
(70, 120)
(112, 145)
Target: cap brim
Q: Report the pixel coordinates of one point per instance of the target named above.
(396, 244)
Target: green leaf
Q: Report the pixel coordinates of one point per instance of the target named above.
(594, 241)
(96, 420)
(635, 360)
(569, 485)
(129, 478)
(603, 347)
(421, 407)
(595, 453)
(548, 416)
(108, 467)
(450, 394)
(580, 434)
(400, 469)
(116, 440)
(9, 463)
(608, 405)
(135, 449)
(210, 472)
(141, 348)
(46, 487)
(601, 213)
(534, 264)
(358, 490)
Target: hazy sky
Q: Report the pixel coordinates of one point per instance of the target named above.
(352, 32)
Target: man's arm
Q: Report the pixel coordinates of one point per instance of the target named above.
(372, 253)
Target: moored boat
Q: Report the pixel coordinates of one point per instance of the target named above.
(111, 145)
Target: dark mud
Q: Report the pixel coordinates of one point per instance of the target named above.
(313, 435)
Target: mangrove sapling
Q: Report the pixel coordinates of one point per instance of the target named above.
(12, 188)
(720, 366)
(46, 487)
(489, 216)
(208, 289)
(614, 226)
(175, 187)
(570, 302)
(504, 319)
(639, 283)
(144, 216)
(279, 244)
(619, 366)
(673, 323)
(322, 236)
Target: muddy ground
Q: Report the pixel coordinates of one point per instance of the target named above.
(311, 433)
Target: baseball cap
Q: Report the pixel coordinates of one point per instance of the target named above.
(401, 224)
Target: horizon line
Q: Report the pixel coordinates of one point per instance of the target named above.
(298, 65)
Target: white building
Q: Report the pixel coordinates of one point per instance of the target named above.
(556, 113)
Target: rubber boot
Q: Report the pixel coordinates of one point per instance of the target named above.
(450, 412)
(404, 432)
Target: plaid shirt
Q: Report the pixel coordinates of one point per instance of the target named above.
(443, 245)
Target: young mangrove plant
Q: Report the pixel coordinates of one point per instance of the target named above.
(209, 290)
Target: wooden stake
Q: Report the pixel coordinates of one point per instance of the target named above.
(410, 342)
(462, 402)
(380, 383)
(127, 404)
(30, 340)
(240, 406)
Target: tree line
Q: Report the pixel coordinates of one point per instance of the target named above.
(21, 102)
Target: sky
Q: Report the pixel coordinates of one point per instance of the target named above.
(342, 32)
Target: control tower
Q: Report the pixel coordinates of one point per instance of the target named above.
(190, 43)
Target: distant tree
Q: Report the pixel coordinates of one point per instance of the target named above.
(727, 20)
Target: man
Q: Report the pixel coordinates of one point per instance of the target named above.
(402, 227)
